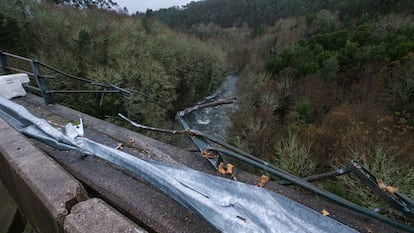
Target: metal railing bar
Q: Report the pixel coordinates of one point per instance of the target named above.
(19, 70)
(73, 76)
(17, 56)
(309, 186)
(43, 87)
(47, 76)
(338, 172)
(80, 91)
(31, 87)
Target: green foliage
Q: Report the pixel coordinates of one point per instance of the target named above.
(364, 35)
(169, 71)
(146, 21)
(348, 54)
(302, 58)
(294, 156)
(323, 22)
(228, 13)
(344, 49)
(10, 34)
(304, 110)
(329, 66)
(81, 48)
(104, 4)
(331, 41)
(384, 166)
(258, 31)
(403, 90)
(21, 10)
(400, 43)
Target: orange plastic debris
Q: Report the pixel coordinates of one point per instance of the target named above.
(263, 181)
(325, 212)
(230, 168)
(227, 170)
(220, 169)
(386, 188)
(209, 154)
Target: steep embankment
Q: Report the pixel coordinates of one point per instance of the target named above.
(167, 69)
(321, 85)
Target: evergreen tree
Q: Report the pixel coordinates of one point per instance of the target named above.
(104, 4)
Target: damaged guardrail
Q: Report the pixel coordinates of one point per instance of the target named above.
(202, 141)
(228, 205)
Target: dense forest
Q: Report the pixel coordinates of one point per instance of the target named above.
(321, 82)
(167, 70)
(229, 13)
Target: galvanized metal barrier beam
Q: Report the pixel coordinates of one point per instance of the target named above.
(230, 206)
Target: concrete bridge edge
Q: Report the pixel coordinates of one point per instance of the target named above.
(50, 198)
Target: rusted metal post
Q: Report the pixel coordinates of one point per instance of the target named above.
(41, 82)
(3, 62)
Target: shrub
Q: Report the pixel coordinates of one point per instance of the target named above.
(323, 22)
(304, 110)
(378, 160)
(329, 68)
(331, 41)
(294, 156)
(403, 90)
(172, 69)
(400, 43)
(302, 58)
(364, 35)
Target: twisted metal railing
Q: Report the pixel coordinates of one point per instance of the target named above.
(209, 145)
(41, 79)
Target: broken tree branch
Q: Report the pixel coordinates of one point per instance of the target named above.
(207, 105)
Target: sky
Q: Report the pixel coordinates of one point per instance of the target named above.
(142, 5)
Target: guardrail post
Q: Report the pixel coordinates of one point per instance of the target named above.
(3, 63)
(41, 82)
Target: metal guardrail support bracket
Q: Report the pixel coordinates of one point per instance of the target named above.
(395, 199)
(3, 63)
(41, 82)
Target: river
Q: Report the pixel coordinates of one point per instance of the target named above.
(216, 121)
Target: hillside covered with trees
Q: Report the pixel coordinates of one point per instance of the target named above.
(229, 13)
(167, 70)
(321, 83)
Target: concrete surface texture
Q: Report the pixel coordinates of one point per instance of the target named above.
(40, 187)
(45, 194)
(144, 204)
(8, 210)
(94, 215)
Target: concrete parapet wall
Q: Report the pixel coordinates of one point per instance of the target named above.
(45, 193)
(95, 215)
